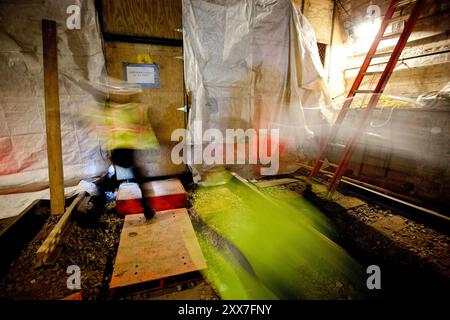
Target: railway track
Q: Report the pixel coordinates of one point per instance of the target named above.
(406, 206)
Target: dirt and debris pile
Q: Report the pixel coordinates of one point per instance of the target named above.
(92, 248)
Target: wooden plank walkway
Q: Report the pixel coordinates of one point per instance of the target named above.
(162, 247)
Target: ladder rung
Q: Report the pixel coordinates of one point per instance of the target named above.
(363, 91)
(404, 3)
(391, 35)
(400, 18)
(382, 54)
(372, 72)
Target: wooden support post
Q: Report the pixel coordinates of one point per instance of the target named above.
(52, 117)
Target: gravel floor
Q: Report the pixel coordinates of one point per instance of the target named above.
(429, 245)
(91, 248)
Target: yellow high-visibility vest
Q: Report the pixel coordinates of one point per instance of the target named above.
(128, 127)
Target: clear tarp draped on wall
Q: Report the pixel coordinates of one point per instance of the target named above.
(23, 151)
(254, 64)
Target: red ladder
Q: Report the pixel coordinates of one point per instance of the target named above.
(375, 94)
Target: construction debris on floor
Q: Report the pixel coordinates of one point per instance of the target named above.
(91, 248)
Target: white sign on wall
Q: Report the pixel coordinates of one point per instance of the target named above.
(146, 75)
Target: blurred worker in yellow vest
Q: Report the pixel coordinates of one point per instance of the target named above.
(128, 125)
(127, 129)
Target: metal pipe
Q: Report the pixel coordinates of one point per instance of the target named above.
(404, 59)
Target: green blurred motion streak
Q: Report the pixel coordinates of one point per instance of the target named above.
(275, 246)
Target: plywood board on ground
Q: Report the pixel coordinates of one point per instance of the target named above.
(162, 247)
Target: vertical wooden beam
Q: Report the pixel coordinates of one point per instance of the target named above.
(52, 117)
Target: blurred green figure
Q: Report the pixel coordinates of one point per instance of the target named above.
(127, 129)
(271, 245)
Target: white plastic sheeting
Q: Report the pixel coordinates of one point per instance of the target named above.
(13, 204)
(435, 99)
(23, 152)
(254, 64)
